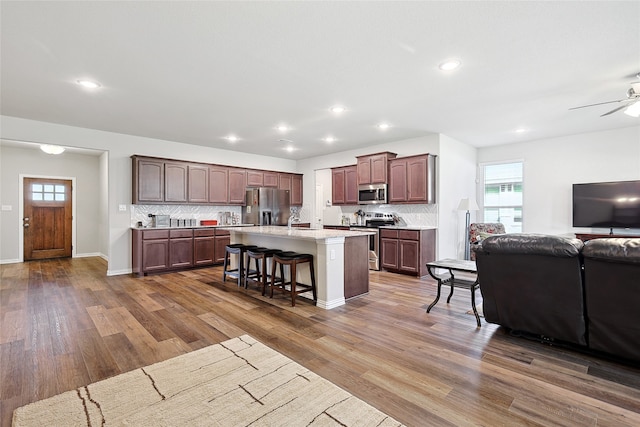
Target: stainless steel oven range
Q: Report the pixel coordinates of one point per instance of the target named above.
(373, 221)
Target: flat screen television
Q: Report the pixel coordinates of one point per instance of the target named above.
(607, 204)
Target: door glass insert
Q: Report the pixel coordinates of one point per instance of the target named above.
(48, 192)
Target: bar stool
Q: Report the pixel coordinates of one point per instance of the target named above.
(261, 272)
(235, 249)
(292, 260)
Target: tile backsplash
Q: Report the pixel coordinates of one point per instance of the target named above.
(197, 212)
(421, 214)
(416, 215)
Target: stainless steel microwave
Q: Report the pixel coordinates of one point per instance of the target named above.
(372, 194)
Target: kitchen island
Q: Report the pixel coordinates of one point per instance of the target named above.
(341, 257)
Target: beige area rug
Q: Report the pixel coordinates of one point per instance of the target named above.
(239, 382)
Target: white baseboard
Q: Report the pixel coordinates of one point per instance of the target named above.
(118, 272)
(328, 305)
(89, 254)
(9, 261)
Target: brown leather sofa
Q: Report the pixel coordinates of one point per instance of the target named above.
(533, 283)
(561, 290)
(612, 293)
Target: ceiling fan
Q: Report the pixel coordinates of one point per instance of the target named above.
(631, 102)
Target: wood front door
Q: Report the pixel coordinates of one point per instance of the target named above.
(47, 218)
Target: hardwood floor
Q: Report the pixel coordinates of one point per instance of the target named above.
(65, 324)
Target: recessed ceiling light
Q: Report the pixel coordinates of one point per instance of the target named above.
(52, 149)
(329, 139)
(283, 128)
(521, 130)
(88, 84)
(337, 109)
(231, 138)
(289, 148)
(383, 126)
(449, 64)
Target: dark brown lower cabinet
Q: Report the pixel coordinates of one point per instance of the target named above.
(223, 238)
(160, 250)
(155, 253)
(181, 248)
(204, 247)
(407, 251)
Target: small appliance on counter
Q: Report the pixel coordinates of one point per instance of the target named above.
(158, 221)
(229, 218)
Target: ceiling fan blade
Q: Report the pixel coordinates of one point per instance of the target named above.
(599, 103)
(614, 110)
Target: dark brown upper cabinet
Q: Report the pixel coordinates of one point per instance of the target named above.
(198, 183)
(344, 185)
(237, 186)
(147, 180)
(373, 168)
(271, 179)
(296, 190)
(412, 179)
(219, 185)
(160, 181)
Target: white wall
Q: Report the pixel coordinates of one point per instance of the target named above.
(551, 166)
(456, 180)
(86, 169)
(120, 148)
(103, 222)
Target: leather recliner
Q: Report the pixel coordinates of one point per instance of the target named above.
(533, 283)
(612, 293)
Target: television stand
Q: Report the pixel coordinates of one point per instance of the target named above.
(586, 236)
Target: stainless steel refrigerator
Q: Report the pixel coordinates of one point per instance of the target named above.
(266, 206)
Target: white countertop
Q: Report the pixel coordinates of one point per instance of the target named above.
(297, 233)
(187, 227)
(410, 227)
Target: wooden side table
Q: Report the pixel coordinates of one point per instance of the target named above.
(454, 266)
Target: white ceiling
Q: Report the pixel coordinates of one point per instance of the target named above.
(196, 72)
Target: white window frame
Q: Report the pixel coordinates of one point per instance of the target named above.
(481, 186)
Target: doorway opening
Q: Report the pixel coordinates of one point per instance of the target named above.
(47, 217)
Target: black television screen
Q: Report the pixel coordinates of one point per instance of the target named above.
(607, 204)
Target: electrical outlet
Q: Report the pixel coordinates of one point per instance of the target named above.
(122, 208)
(332, 254)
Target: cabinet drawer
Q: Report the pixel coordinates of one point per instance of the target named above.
(204, 232)
(409, 234)
(390, 234)
(181, 233)
(223, 232)
(155, 234)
